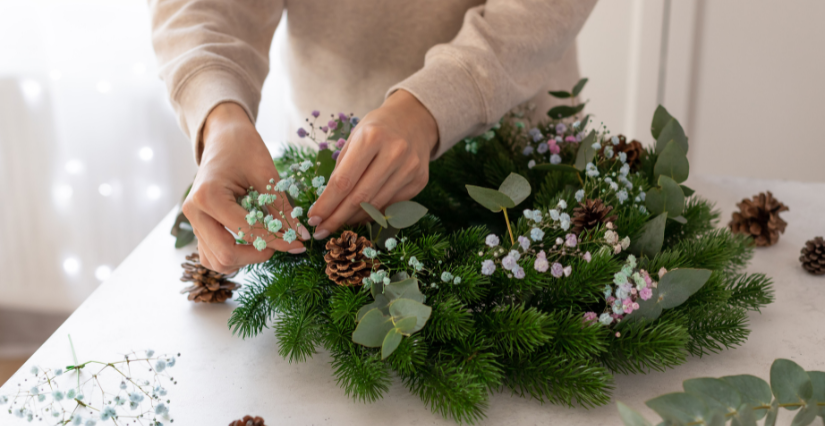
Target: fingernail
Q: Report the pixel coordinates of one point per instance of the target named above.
(314, 221)
(298, 250)
(304, 233)
(320, 235)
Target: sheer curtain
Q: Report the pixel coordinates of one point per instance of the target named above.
(91, 157)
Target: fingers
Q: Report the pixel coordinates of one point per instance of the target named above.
(381, 199)
(360, 153)
(219, 247)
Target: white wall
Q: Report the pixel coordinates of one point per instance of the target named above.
(744, 77)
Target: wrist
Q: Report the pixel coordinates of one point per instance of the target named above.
(227, 117)
(419, 123)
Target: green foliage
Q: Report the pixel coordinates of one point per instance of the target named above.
(486, 333)
(742, 400)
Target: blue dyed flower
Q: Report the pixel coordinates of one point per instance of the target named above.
(446, 276)
(317, 181)
(391, 243)
(305, 165)
(527, 150)
(555, 159)
(536, 234)
(107, 413)
(290, 235)
(580, 195)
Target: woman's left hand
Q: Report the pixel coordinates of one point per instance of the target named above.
(385, 160)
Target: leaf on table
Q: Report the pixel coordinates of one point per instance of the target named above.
(717, 393)
(516, 187)
(790, 383)
(753, 390)
(818, 382)
(631, 417)
(680, 407)
(404, 214)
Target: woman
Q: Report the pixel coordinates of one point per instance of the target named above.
(426, 74)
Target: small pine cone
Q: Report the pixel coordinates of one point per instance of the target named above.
(346, 263)
(759, 218)
(813, 256)
(248, 421)
(633, 150)
(208, 286)
(590, 214)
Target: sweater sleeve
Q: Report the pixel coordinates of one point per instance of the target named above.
(210, 52)
(500, 58)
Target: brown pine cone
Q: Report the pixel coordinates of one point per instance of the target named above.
(208, 286)
(759, 218)
(590, 214)
(248, 421)
(813, 256)
(346, 263)
(634, 150)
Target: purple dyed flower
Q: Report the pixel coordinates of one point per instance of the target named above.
(332, 124)
(340, 143)
(567, 270)
(542, 148)
(343, 117)
(524, 242)
(335, 155)
(488, 267)
(579, 136)
(518, 272)
(588, 257)
(557, 270)
(590, 317)
(322, 146)
(302, 133)
(492, 240)
(527, 150)
(541, 263)
(646, 293)
(509, 263)
(561, 128)
(316, 113)
(325, 129)
(570, 240)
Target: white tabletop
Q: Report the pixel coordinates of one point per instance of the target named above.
(221, 377)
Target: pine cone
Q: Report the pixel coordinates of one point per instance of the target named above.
(346, 263)
(759, 217)
(208, 286)
(248, 421)
(813, 256)
(634, 150)
(590, 214)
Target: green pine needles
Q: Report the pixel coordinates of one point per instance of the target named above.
(546, 304)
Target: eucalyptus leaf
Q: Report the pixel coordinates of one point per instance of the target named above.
(406, 325)
(672, 162)
(325, 164)
(381, 303)
(680, 407)
(649, 243)
(180, 218)
(667, 197)
(773, 413)
(561, 94)
(818, 385)
(584, 121)
(673, 131)
(399, 276)
(717, 418)
(402, 308)
(372, 329)
(790, 383)
(185, 236)
(375, 214)
(564, 111)
(716, 392)
(744, 416)
(490, 198)
(516, 187)
(579, 86)
(678, 284)
(404, 214)
(687, 191)
(556, 167)
(376, 289)
(649, 309)
(631, 417)
(390, 343)
(407, 289)
(586, 153)
(680, 219)
(660, 119)
(753, 390)
(806, 415)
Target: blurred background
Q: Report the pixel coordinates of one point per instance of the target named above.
(91, 157)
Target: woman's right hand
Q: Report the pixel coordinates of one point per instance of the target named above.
(234, 158)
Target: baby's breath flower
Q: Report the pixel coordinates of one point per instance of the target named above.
(562, 204)
(302, 133)
(579, 195)
(608, 152)
(576, 124)
(283, 185)
(321, 189)
(161, 409)
(622, 196)
(305, 165)
(524, 242)
(554, 214)
(107, 413)
(536, 234)
(597, 146)
(160, 365)
(297, 212)
(623, 157)
(518, 272)
(370, 252)
(274, 225)
(591, 170)
(58, 395)
(488, 267)
(531, 164)
(317, 181)
(259, 245)
(605, 319)
(294, 191)
(290, 235)
(340, 143)
(391, 243)
(457, 280)
(557, 270)
(614, 140)
(541, 264)
(561, 128)
(542, 148)
(446, 276)
(492, 240)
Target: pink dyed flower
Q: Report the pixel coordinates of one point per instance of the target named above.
(590, 317)
(554, 149)
(627, 306)
(519, 272)
(332, 124)
(588, 257)
(524, 242)
(646, 276)
(645, 293)
(570, 138)
(610, 300)
(541, 264)
(325, 129)
(341, 142)
(570, 240)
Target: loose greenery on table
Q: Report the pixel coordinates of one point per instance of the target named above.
(539, 259)
(741, 400)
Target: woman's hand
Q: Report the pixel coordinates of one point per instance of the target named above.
(385, 160)
(234, 158)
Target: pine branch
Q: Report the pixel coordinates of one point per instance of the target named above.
(361, 373)
(450, 391)
(517, 330)
(576, 338)
(450, 320)
(410, 356)
(643, 346)
(713, 328)
(298, 334)
(254, 308)
(751, 292)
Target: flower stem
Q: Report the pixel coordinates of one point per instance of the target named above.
(510, 230)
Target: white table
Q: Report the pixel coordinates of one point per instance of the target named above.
(222, 378)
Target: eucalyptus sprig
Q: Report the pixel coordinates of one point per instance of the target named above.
(511, 193)
(740, 400)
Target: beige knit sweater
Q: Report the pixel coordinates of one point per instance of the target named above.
(467, 61)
